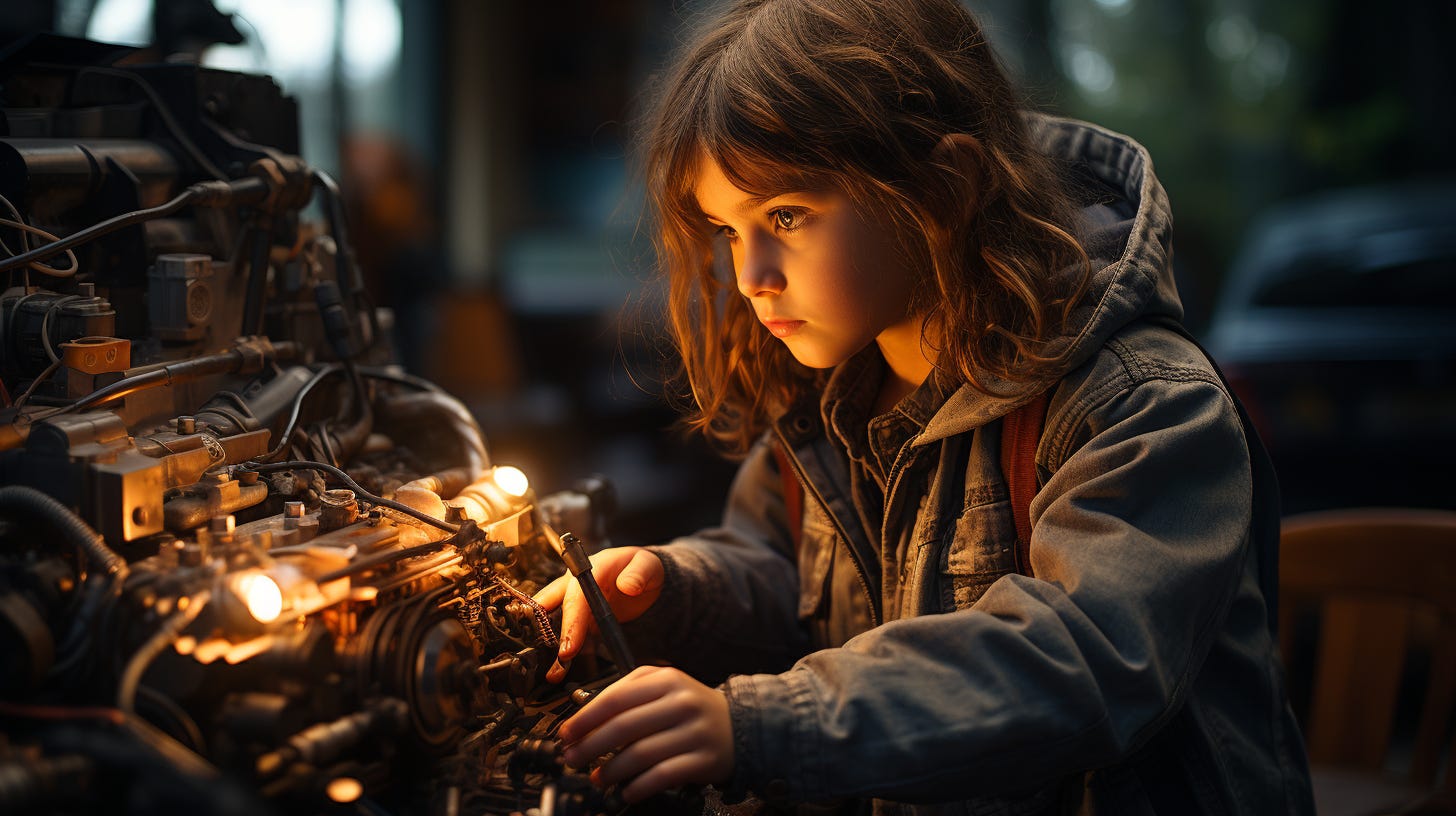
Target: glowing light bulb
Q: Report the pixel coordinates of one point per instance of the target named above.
(512, 480)
(345, 789)
(261, 595)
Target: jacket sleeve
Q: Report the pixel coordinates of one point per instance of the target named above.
(1138, 545)
(729, 596)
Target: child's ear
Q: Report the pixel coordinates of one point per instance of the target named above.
(961, 162)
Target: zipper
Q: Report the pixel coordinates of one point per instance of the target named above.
(893, 481)
(859, 568)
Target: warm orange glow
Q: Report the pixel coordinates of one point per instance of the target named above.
(512, 480)
(261, 595)
(345, 789)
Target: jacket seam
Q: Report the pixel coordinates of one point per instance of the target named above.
(1064, 423)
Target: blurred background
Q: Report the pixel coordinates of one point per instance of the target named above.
(1305, 145)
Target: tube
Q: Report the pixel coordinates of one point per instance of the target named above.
(40, 507)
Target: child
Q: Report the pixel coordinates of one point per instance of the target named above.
(874, 257)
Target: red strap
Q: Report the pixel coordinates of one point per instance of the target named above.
(793, 496)
(1020, 433)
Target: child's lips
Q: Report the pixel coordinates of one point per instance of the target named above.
(782, 328)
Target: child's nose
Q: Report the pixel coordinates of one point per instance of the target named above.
(759, 270)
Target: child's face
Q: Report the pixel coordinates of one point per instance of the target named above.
(822, 276)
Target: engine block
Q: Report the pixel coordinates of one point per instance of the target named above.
(247, 564)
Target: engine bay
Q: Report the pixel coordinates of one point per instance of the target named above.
(248, 564)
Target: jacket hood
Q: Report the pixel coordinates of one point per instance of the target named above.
(1127, 233)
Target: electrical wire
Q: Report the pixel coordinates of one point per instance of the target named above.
(237, 399)
(292, 425)
(9, 328)
(50, 712)
(94, 231)
(24, 239)
(401, 378)
(370, 373)
(15, 213)
(45, 325)
(18, 224)
(165, 636)
(184, 723)
(272, 467)
(30, 389)
(222, 362)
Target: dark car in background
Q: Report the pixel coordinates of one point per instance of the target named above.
(1337, 328)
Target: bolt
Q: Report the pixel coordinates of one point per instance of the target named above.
(293, 509)
(186, 425)
(222, 524)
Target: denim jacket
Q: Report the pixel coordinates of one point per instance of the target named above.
(1136, 673)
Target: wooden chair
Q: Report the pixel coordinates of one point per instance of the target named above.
(1381, 584)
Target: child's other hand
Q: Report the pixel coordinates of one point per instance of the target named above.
(631, 580)
(666, 728)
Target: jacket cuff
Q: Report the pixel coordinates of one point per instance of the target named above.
(775, 754)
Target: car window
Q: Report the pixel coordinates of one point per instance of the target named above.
(1425, 283)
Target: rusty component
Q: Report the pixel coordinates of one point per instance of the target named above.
(127, 496)
(186, 457)
(97, 355)
(218, 496)
(337, 508)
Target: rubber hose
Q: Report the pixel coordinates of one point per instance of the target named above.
(41, 507)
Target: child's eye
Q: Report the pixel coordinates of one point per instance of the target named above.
(788, 220)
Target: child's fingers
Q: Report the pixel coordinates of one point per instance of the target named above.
(675, 771)
(641, 575)
(637, 723)
(576, 626)
(643, 753)
(550, 596)
(631, 691)
(576, 620)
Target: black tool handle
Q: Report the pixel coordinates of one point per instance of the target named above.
(574, 554)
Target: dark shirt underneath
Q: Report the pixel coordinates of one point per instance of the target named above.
(871, 445)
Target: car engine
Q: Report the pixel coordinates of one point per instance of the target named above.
(247, 564)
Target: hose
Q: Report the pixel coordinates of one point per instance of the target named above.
(40, 507)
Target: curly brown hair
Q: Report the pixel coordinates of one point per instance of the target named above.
(857, 95)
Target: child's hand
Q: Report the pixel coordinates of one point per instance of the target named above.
(631, 580)
(666, 728)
